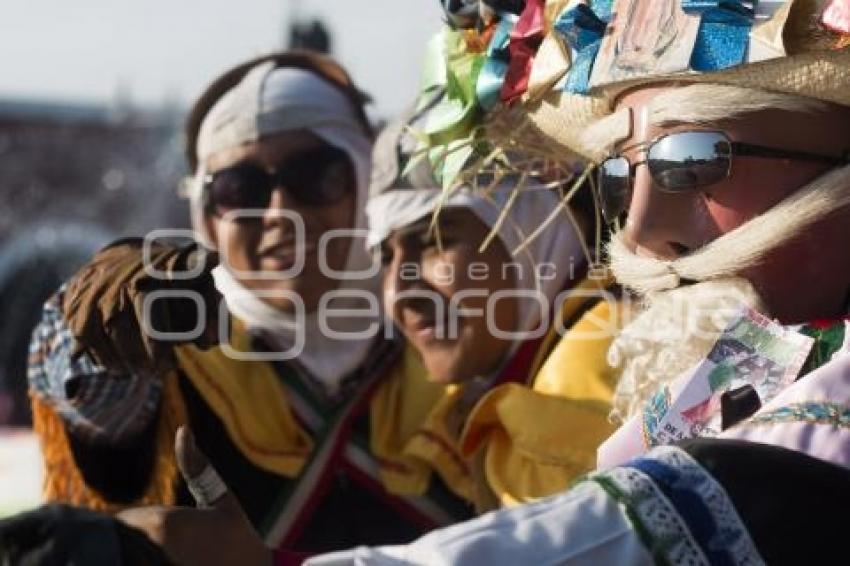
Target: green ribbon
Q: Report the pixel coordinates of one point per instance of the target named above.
(451, 122)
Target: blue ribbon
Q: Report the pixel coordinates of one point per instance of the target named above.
(724, 33)
(683, 491)
(602, 8)
(699, 7)
(583, 31)
(496, 64)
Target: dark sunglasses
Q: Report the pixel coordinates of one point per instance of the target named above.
(681, 162)
(316, 177)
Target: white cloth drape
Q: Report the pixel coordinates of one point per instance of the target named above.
(271, 101)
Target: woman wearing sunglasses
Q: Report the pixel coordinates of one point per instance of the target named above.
(273, 355)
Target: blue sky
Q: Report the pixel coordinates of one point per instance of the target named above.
(155, 50)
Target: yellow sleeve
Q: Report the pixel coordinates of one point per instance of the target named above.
(578, 366)
(538, 440)
(398, 410)
(253, 405)
(410, 435)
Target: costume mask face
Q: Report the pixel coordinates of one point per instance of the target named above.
(669, 225)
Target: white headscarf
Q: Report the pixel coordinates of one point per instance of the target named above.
(405, 191)
(558, 244)
(271, 101)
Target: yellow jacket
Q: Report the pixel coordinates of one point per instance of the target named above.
(519, 442)
(536, 440)
(532, 437)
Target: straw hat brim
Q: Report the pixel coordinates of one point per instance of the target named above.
(821, 75)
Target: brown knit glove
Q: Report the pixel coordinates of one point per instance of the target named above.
(104, 305)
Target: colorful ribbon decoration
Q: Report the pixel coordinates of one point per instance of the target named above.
(451, 123)
(583, 31)
(492, 75)
(724, 33)
(468, 14)
(526, 37)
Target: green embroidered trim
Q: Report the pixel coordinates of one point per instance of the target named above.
(658, 547)
(809, 412)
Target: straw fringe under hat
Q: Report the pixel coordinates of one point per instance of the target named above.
(809, 59)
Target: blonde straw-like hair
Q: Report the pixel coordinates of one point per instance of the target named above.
(709, 103)
(701, 104)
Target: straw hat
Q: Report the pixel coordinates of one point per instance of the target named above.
(795, 47)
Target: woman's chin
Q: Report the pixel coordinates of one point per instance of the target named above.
(285, 299)
(446, 375)
(288, 296)
(439, 373)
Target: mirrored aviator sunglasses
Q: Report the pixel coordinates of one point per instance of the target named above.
(684, 161)
(315, 177)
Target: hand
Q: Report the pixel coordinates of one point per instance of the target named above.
(104, 305)
(219, 534)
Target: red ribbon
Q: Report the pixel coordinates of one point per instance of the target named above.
(824, 323)
(525, 40)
